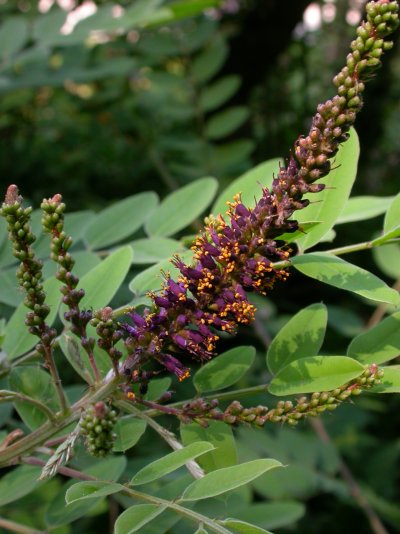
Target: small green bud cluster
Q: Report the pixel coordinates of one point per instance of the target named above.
(109, 334)
(334, 118)
(292, 412)
(29, 273)
(53, 223)
(97, 423)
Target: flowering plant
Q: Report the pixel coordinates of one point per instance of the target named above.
(127, 352)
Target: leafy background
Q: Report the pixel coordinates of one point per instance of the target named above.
(144, 127)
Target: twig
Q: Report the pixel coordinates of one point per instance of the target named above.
(17, 527)
(67, 471)
(355, 490)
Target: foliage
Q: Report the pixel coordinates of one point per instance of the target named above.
(230, 470)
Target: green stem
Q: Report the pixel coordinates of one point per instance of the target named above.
(366, 245)
(226, 396)
(192, 466)
(49, 429)
(17, 527)
(184, 512)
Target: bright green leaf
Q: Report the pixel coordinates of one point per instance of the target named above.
(379, 344)
(136, 517)
(390, 383)
(225, 370)
(216, 94)
(157, 387)
(220, 436)
(18, 340)
(181, 207)
(392, 217)
(33, 382)
(120, 220)
(226, 122)
(170, 462)
(128, 430)
(91, 490)
(315, 373)
(227, 479)
(273, 514)
(249, 185)
(155, 249)
(327, 205)
(59, 513)
(78, 357)
(392, 234)
(151, 279)
(362, 208)
(242, 527)
(339, 273)
(302, 336)
(102, 282)
(19, 482)
(387, 258)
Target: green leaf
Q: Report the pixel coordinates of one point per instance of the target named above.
(19, 482)
(226, 122)
(79, 360)
(390, 383)
(339, 273)
(379, 344)
(315, 373)
(216, 94)
(392, 217)
(301, 336)
(327, 205)
(303, 229)
(155, 249)
(208, 63)
(190, 8)
(136, 517)
(392, 234)
(225, 370)
(362, 208)
(181, 207)
(273, 514)
(120, 220)
(157, 387)
(170, 462)
(227, 479)
(10, 291)
(220, 436)
(249, 185)
(102, 282)
(47, 26)
(129, 430)
(231, 157)
(242, 527)
(76, 223)
(345, 321)
(59, 513)
(33, 382)
(151, 279)
(18, 340)
(91, 490)
(13, 35)
(387, 258)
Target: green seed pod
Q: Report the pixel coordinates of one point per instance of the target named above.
(97, 425)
